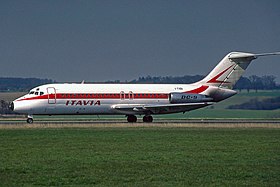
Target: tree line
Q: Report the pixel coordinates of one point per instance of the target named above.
(253, 82)
(266, 82)
(21, 84)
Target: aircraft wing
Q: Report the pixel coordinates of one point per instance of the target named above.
(158, 109)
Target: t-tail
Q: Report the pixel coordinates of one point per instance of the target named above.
(230, 69)
(223, 77)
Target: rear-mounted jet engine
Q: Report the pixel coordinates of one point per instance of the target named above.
(188, 98)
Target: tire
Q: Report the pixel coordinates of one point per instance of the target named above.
(131, 119)
(29, 120)
(148, 119)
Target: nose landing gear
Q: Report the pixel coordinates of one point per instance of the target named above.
(29, 119)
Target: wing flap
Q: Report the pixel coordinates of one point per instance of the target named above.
(158, 109)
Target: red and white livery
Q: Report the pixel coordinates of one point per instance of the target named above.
(136, 99)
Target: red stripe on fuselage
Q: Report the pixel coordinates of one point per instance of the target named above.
(112, 96)
(99, 96)
(37, 97)
(198, 90)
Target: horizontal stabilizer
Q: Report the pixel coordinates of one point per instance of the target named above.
(236, 55)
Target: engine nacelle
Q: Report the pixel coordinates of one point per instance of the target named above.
(188, 98)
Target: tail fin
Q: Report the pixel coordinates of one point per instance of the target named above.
(230, 69)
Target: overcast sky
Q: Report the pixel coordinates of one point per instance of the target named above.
(122, 40)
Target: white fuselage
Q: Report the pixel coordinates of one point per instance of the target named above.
(97, 98)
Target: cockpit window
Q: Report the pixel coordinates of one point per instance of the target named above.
(36, 93)
(32, 92)
(41, 93)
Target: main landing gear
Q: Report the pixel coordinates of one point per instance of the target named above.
(29, 119)
(148, 119)
(133, 119)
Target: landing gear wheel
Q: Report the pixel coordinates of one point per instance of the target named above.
(148, 119)
(131, 118)
(29, 120)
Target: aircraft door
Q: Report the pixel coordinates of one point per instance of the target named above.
(51, 95)
(131, 95)
(122, 95)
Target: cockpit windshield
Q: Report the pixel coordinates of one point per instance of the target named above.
(36, 93)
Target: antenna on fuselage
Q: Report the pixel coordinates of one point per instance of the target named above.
(83, 82)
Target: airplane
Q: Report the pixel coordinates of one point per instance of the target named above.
(136, 99)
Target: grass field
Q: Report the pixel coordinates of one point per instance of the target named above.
(140, 157)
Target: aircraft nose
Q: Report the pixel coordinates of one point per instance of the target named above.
(12, 106)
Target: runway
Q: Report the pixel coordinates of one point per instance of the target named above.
(161, 123)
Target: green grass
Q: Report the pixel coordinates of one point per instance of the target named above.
(140, 157)
(227, 113)
(245, 97)
(260, 93)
